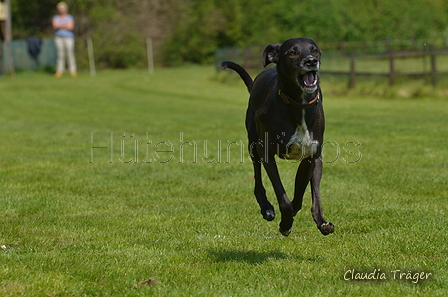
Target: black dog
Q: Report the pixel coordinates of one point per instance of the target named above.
(285, 118)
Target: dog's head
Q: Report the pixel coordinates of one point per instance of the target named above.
(298, 59)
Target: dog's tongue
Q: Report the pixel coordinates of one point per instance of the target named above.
(309, 78)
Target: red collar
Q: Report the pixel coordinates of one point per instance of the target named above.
(290, 101)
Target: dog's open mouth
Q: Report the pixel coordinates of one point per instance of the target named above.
(309, 80)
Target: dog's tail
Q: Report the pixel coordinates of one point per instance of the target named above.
(241, 71)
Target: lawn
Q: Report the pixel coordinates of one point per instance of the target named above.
(109, 181)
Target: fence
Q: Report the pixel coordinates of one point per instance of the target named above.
(23, 60)
(390, 59)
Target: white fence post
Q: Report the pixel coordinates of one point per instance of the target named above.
(91, 56)
(150, 55)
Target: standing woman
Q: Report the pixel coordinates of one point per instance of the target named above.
(64, 23)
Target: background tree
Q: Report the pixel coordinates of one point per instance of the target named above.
(190, 30)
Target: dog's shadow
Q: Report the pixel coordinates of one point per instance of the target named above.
(249, 257)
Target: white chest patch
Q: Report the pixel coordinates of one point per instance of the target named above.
(301, 145)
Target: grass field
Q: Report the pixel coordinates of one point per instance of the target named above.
(112, 180)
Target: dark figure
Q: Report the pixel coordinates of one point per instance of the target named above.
(285, 117)
(34, 46)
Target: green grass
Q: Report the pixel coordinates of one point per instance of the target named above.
(69, 227)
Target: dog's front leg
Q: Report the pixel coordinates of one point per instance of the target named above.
(324, 227)
(303, 177)
(283, 201)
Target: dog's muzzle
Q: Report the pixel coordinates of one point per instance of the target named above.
(308, 81)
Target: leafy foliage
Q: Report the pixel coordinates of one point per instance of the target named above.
(215, 23)
(187, 30)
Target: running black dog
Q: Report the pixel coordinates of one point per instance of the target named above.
(285, 118)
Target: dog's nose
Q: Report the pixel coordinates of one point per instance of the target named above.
(311, 62)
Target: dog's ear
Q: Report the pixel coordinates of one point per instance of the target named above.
(271, 54)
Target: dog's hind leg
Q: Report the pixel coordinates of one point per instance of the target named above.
(266, 208)
(324, 227)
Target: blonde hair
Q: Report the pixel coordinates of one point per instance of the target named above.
(62, 4)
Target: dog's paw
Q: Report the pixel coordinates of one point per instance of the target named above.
(268, 215)
(285, 232)
(326, 228)
(285, 226)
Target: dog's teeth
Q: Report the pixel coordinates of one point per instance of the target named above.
(310, 84)
(310, 79)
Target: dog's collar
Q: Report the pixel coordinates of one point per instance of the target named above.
(290, 101)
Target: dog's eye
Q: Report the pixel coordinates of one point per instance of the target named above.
(293, 53)
(314, 51)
